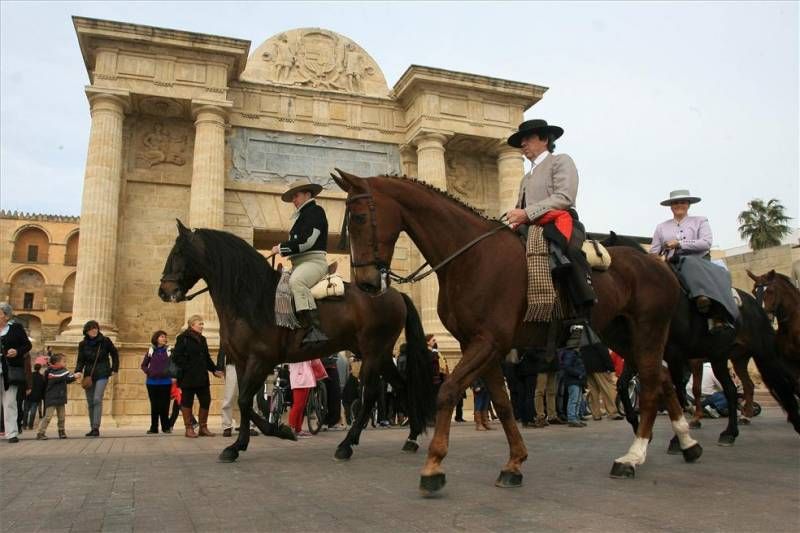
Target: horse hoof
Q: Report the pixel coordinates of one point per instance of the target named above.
(726, 440)
(623, 471)
(410, 446)
(745, 421)
(508, 480)
(695, 424)
(343, 453)
(692, 453)
(430, 485)
(674, 447)
(228, 455)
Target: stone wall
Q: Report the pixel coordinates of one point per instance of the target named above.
(53, 268)
(779, 258)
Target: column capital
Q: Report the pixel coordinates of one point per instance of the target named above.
(112, 100)
(504, 151)
(430, 140)
(214, 111)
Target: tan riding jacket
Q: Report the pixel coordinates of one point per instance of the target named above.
(553, 184)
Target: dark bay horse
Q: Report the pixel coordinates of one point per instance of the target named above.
(482, 302)
(781, 299)
(689, 340)
(242, 286)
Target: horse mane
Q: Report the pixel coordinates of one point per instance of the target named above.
(242, 278)
(785, 278)
(621, 240)
(458, 201)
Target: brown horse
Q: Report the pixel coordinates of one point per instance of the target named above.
(242, 286)
(690, 342)
(482, 302)
(781, 299)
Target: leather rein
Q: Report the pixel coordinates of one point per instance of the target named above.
(421, 272)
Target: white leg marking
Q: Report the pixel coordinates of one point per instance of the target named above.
(681, 429)
(636, 454)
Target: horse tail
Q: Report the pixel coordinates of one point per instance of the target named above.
(776, 375)
(420, 401)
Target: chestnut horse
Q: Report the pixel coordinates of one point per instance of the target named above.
(242, 286)
(482, 302)
(781, 299)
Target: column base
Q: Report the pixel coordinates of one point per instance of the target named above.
(74, 334)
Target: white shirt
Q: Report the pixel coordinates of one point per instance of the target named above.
(539, 158)
(709, 385)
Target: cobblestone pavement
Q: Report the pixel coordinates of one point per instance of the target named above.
(130, 481)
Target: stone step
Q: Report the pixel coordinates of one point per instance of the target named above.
(764, 398)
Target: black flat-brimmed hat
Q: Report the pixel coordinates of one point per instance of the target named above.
(536, 125)
(301, 185)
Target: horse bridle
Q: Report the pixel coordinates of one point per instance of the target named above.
(420, 273)
(178, 278)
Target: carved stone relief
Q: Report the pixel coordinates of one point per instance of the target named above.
(163, 145)
(316, 58)
(466, 178)
(275, 157)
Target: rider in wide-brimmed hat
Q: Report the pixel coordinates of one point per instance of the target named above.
(686, 240)
(547, 198)
(682, 234)
(306, 248)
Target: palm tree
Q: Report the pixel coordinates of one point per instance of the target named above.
(764, 224)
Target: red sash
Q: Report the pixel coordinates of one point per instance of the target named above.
(561, 219)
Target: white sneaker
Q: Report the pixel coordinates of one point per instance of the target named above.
(337, 427)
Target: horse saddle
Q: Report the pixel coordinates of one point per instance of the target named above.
(331, 285)
(597, 255)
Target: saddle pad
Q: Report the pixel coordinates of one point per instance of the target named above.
(284, 304)
(597, 255)
(331, 285)
(543, 300)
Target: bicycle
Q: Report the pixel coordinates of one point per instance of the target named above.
(317, 408)
(277, 402)
(355, 410)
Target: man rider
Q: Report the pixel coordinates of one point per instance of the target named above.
(547, 198)
(306, 248)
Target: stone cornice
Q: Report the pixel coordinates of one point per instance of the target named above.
(89, 29)
(415, 76)
(38, 217)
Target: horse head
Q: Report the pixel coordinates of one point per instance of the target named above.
(178, 276)
(764, 290)
(374, 224)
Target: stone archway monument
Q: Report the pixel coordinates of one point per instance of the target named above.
(193, 126)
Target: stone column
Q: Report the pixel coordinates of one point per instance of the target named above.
(97, 248)
(432, 169)
(510, 169)
(207, 200)
(408, 160)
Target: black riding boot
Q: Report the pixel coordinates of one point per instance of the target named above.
(310, 320)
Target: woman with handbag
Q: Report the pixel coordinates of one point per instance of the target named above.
(15, 368)
(159, 383)
(194, 363)
(98, 360)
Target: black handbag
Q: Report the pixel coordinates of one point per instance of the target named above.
(16, 375)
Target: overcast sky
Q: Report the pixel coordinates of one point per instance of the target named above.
(653, 96)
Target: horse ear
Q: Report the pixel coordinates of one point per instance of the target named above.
(347, 181)
(182, 230)
(751, 275)
(340, 182)
(771, 275)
